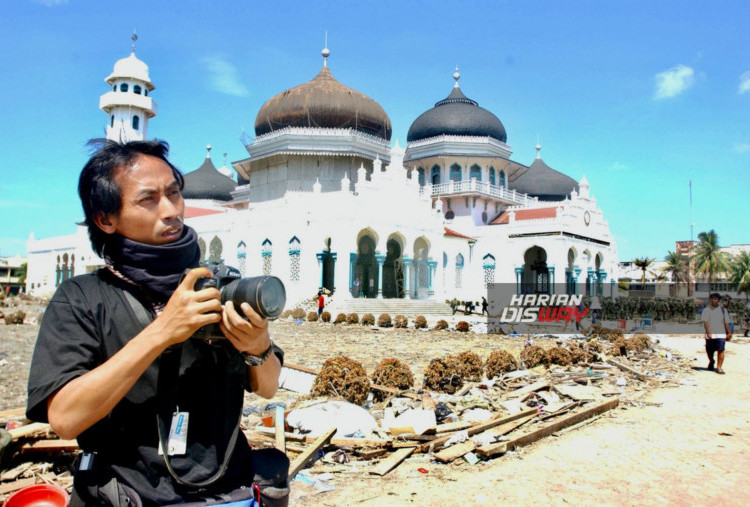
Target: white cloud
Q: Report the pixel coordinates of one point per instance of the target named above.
(618, 166)
(741, 147)
(673, 82)
(223, 76)
(51, 3)
(744, 83)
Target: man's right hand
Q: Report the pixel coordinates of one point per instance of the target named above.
(188, 310)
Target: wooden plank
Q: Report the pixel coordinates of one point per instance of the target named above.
(271, 432)
(628, 369)
(24, 483)
(404, 445)
(300, 368)
(357, 442)
(370, 453)
(303, 458)
(391, 461)
(279, 423)
(455, 451)
(449, 427)
(29, 429)
(395, 392)
(491, 450)
(50, 445)
(541, 384)
(13, 412)
(479, 428)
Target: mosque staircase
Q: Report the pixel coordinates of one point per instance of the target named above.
(393, 307)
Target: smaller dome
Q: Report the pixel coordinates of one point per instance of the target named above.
(456, 115)
(541, 181)
(130, 68)
(207, 182)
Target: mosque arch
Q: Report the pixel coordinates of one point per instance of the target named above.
(420, 176)
(422, 270)
(214, 250)
(475, 172)
(366, 267)
(266, 252)
(202, 248)
(492, 176)
(455, 173)
(488, 266)
(393, 267)
(535, 273)
(502, 178)
(137, 89)
(435, 175)
(136, 122)
(570, 275)
(124, 87)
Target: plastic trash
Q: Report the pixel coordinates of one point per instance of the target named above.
(319, 484)
(349, 419)
(442, 412)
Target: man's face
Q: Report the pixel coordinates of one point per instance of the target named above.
(714, 301)
(152, 206)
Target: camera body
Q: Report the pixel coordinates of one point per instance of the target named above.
(265, 294)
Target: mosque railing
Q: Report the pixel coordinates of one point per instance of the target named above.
(477, 187)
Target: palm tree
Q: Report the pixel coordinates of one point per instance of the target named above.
(643, 263)
(708, 257)
(676, 266)
(739, 275)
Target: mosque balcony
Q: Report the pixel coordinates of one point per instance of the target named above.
(477, 188)
(112, 100)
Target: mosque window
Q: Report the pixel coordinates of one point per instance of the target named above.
(458, 282)
(114, 88)
(420, 173)
(450, 215)
(455, 172)
(112, 121)
(435, 175)
(502, 178)
(137, 89)
(267, 254)
(475, 172)
(136, 122)
(492, 176)
(124, 87)
(145, 92)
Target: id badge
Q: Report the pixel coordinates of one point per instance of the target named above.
(177, 443)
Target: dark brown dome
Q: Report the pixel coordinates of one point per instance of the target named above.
(323, 102)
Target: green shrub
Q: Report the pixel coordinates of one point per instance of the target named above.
(368, 319)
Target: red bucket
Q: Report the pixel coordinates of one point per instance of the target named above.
(39, 495)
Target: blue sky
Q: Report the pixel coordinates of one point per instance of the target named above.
(641, 97)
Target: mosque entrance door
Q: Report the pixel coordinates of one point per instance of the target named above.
(329, 265)
(366, 268)
(536, 272)
(393, 271)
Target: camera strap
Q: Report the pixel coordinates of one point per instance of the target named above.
(169, 368)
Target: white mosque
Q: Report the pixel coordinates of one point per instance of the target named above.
(324, 200)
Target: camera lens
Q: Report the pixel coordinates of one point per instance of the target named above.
(265, 294)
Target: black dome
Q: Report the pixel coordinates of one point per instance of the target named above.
(456, 115)
(541, 181)
(323, 102)
(208, 183)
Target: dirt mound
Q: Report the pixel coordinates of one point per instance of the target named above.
(341, 376)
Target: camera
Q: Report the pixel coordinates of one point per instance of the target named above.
(265, 294)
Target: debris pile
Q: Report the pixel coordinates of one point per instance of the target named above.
(342, 377)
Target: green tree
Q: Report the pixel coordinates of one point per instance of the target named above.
(643, 263)
(676, 266)
(739, 273)
(708, 257)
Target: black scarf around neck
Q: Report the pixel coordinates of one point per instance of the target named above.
(156, 268)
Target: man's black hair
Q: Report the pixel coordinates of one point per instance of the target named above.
(97, 188)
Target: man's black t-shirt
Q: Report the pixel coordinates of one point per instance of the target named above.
(87, 321)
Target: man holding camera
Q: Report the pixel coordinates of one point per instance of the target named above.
(156, 413)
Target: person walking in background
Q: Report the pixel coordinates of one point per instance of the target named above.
(715, 320)
(484, 306)
(321, 302)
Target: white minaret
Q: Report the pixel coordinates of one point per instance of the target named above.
(127, 104)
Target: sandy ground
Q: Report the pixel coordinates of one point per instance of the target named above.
(685, 445)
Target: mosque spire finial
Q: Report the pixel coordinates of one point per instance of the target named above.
(208, 151)
(456, 76)
(325, 51)
(134, 38)
(538, 148)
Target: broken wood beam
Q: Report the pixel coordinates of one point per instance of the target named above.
(29, 429)
(306, 456)
(391, 461)
(455, 451)
(279, 423)
(51, 445)
(491, 450)
(449, 427)
(628, 369)
(395, 392)
(479, 428)
(536, 386)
